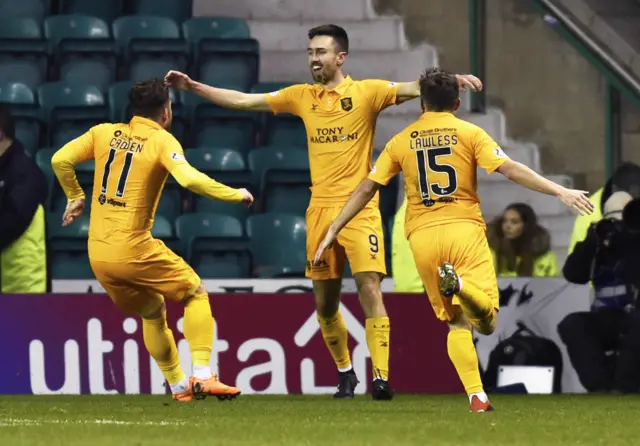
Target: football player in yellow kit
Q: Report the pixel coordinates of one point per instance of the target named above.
(340, 116)
(133, 161)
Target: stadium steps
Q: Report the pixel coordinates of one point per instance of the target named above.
(380, 50)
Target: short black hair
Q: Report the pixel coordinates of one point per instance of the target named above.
(7, 123)
(338, 33)
(439, 90)
(148, 98)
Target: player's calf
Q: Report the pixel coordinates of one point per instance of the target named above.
(464, 357)
(377, 330)
(476, 304)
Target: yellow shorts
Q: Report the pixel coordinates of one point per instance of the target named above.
(464, 245)
(140, 285)
(361, 241)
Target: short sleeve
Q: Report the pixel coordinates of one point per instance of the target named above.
(286, 100)
(171, 153)
(386, 166)
(488, 153)
(383, 93)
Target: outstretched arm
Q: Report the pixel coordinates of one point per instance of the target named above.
(201, 184)
(358, 200)
(224, 98)
(411, 90)
(576, 200)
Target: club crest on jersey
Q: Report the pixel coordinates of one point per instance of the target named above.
(347, 104)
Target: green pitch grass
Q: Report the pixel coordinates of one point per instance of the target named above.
(318, 420)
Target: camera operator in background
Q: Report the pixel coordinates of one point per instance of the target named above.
(604, 343)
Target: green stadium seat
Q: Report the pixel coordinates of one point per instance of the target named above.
(162, 228)
(213, 234)
(149, 46)
(22, 101)
(71, 266)
(72, 238)
(105, 10)
(82, 49)
(216, 127)
(224, 165)
(236, 210)
(170, 204)
(177, 10)
(279, 171)
(70, 109)
(218, 267)
(278, 245)
(287, 200)
(201, 28)
(228, 60)
(36, 9)
(23, 55)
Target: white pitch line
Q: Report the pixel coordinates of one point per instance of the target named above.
(6, 422)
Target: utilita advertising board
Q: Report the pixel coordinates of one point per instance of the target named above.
(264, 343)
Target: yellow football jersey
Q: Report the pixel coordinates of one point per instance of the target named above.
(132, 162)
(439, 155)
(340, 126)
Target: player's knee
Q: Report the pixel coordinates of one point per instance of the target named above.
(327, 297)
(368, 285)
(459, 322)
(153, 313)
(200, 291)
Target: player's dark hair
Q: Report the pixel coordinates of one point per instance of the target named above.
(439, 90)
(7, 123)
(338, 33)
(148, 98)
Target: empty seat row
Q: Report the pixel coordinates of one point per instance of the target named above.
(216, 245)
(278, 176)
(58, 112)
(87, 49)
(178, 10)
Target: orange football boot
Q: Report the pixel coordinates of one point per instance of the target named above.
(478, 406)
(201, 388)
(183, 397)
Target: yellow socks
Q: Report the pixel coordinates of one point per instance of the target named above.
(463, 354)
(378, 330)
(335, 335)
(198, 330)
(476, 305)
(158, 339)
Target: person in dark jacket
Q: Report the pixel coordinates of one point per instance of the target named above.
(604, 343)
(23, 192)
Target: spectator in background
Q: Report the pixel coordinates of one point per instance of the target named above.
(23, 191)
(521, 247)
(604, 343)
(626, 178)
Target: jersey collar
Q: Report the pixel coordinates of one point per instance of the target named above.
(340, 89)
(431, 115)
(145, 121)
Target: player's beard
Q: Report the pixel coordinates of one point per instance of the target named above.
(318, 75)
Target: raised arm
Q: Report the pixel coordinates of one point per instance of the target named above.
(187, 176)
(411, 90)
(224, 98)
(576, 200)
